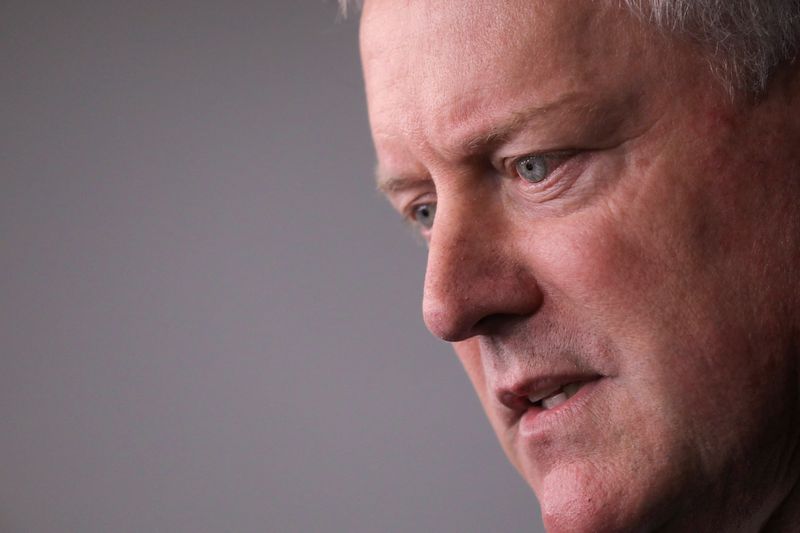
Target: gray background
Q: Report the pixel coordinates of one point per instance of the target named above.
(209, 320)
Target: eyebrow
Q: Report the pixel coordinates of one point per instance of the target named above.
(478, 143)
(515, 121)
(393, 184)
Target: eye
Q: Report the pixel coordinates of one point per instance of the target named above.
(423, 215)
(532, 168)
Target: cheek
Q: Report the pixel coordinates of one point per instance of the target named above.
(633, 278)
(627, 280)
(588, 262)
(643, 258)
(654, 279)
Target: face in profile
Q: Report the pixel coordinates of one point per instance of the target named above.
(602, 220)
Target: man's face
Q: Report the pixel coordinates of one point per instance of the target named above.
(609, 252)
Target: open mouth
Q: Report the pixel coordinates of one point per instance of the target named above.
(555, 396)
(526, 400)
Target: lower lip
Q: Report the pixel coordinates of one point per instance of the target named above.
(538, 423)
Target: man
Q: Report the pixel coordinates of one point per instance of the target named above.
(610, 192)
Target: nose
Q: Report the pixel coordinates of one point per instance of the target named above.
(477, 279)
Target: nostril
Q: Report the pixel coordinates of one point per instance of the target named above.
(497, 324)
(453, 316)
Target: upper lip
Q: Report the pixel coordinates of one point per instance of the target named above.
(515, 396)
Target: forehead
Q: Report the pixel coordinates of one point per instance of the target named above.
(447, 72)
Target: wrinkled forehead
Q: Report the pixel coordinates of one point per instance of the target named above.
(446, 27)
(442, 66)
(430, 44)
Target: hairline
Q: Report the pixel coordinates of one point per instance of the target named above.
(744, 41)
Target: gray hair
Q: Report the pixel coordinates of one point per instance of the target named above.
(745, 40)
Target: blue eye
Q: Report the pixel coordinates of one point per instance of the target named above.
(423, 215)
(532, 168)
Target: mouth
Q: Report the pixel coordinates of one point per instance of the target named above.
(535, 401)
(555, 396)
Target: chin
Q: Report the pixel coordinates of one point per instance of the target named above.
(584, 499)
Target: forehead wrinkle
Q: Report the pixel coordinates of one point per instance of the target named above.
(500, 133)
(505, 128)
(474, 143)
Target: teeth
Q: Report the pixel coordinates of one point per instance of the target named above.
(538, 397)
(555, 396)
(554, 401)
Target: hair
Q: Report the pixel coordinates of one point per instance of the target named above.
(745, 40)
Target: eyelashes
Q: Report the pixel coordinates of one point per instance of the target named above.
(535, 171)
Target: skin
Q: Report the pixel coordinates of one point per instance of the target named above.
(657, 261)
